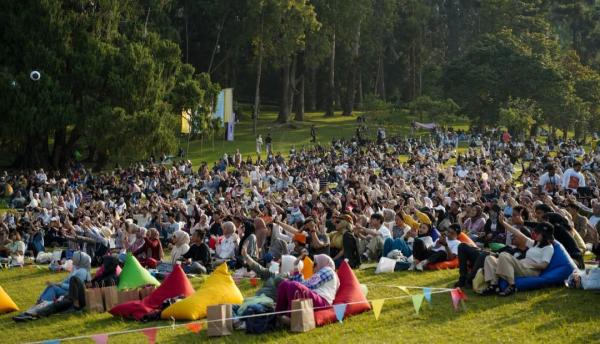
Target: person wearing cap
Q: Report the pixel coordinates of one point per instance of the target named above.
(507, 266)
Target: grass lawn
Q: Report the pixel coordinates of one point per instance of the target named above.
(298, 134)
(550, 315)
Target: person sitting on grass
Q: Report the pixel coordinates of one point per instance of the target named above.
(197, 259)
(321, 287)
(151, 252)
(82, 264)
(508, 267)
(445, 248)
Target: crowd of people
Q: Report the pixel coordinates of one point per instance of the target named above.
(355, 200)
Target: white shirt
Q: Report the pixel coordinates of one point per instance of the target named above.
(549, 183)
(384, 232)
(573, 179)
(452, 245)
(226, 249)
(537, 254)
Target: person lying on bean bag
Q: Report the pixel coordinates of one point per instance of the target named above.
(508, 267)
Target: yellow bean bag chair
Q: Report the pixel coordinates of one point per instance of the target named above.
(219, 288)
(7, 305)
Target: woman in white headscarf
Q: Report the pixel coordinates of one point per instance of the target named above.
(321, 287)
(82, 264)
(181, 244)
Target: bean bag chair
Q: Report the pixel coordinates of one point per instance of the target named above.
(176, 284)
(134, 275)
(219, 288)
(350, 291)
(451, 264)
(7, 305)
(559, 269)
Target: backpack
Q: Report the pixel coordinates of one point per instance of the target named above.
(260, 324)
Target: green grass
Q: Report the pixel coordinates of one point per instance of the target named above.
(549, 315)
(298, 134)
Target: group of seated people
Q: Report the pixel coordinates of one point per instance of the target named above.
(350, 202)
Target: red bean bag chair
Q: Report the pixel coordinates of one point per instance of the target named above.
(451, 264)
(176, 284)
(348, 292)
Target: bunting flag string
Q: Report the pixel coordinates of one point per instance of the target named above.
(340, 309)
(150, 333)
(404, 289)
(100, 338)
(377, 305)
(427, 295)
(417, 301)
(196, 327)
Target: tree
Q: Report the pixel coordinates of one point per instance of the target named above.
(88, 55)
(519, 116)
(496, 68)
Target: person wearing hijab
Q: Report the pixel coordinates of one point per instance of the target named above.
(180, 245)
(151, 252)
(82, 264)
(321, 287)
(140, 239)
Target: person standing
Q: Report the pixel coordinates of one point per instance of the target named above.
(313, 134)
(268, 141)
(259, 143)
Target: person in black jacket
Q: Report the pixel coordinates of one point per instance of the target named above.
(494, 231)
(197, 258)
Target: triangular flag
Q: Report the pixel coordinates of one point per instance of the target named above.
(254, 281)
(194, 327)
(404, 289)
(417, 302)
(455, 298)
(377, 305)
(427, 294)
(340, 309)
(53, 341)
(462, 294)
(100, 338)
(151, 334)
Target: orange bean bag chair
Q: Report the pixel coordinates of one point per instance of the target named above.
(451, 264)
(349, 291)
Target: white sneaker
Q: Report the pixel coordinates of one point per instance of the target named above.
(421, 265)
(412, 266)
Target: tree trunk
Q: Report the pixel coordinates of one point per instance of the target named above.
(293, 91)
(101, 161)
(453, 23)
(284, 108)
(60, 141)
(351, 86)
(331, 91)
(257, 89)
(312, 90)
(300, 102)
(360, 91)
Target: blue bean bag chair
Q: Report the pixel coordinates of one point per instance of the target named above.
(559, 269)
